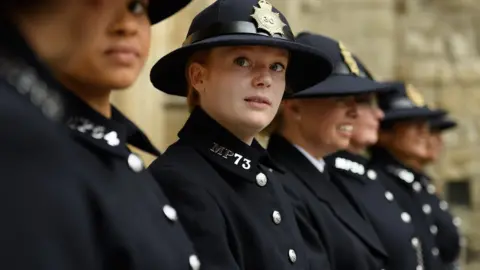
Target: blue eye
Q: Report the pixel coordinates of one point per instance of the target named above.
(277, 67)
(137, 7)
(242, 61)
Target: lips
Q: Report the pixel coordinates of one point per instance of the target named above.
(346, 128)
(123, 54)
(258, 99)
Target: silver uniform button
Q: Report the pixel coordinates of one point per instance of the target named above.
(417, 187)
(443, 205)
(194, 262)
(389, 196)
(261, 179)
(292, 255)
(405, 217)
(170, 212)
(435, 251)
(457, 221)
(427, 209)
(371, 174)
(434, 229)
(415, 242)
(431, 189)
(277, 218)
(135, 163)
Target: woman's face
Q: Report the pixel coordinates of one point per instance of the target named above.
(326, 123)
(365, 129)
(91, 44)
(241, 87)
(408, 138)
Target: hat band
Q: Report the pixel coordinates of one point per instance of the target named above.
(342, 69)
(401, 104)
(237, 27)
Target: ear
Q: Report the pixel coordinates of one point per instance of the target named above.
(197, 75)
(292, 106)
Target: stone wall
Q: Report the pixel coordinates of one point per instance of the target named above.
(433, 44)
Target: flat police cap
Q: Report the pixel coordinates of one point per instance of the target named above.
(442, 122)
(349, 76)
(404, 102)
(237, 23)
(159, 10)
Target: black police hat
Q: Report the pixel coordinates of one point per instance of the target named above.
(158, 10)
(349, 76)
(237, 23)
(404, 102)
(442, 122)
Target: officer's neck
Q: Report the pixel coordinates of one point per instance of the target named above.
(97, 99)
(294, 136)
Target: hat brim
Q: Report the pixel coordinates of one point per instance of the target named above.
(159, 10)
(410, 114)
(343, 85)
(443, 125)
(307, 66)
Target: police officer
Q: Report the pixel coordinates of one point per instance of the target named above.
(312, 124)
(73, 195)
(445, 226)
(234, 65)
(403, 137)
(350, 171)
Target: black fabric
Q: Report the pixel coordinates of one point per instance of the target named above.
(401, 181)
(70, 202)
(350, 172)
(330, 224)
(211, 177)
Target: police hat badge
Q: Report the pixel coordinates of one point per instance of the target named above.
(267, 19)
(414, 95)
(348, 59)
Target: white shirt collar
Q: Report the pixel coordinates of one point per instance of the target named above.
(318, 163)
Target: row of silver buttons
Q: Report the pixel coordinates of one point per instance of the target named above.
(262, 180)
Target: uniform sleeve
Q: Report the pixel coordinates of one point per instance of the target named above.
(200, 215)
(42, 216)
(448, 236)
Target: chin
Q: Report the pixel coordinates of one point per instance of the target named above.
(122, 79)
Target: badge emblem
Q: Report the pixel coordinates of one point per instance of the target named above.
(414, 95)
(267, 19)
(348, 59)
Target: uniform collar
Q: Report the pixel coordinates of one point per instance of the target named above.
(351, 164)
(407, 176)
(109, 134)
(220, 146)
(318, 163)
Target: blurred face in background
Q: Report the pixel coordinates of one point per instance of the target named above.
(89, 44)
(407, 139)
(365, 128)
(322, 125)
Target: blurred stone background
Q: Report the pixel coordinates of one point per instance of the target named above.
(433, 44)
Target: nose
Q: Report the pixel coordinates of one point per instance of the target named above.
(262, 77)
(379, 113)
(352, 107)
(125, 24)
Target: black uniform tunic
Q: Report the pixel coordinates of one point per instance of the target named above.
(445, 226)
(229, 199)
(406, 187)
(351, 174)
(330, 223)
(73, 195)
